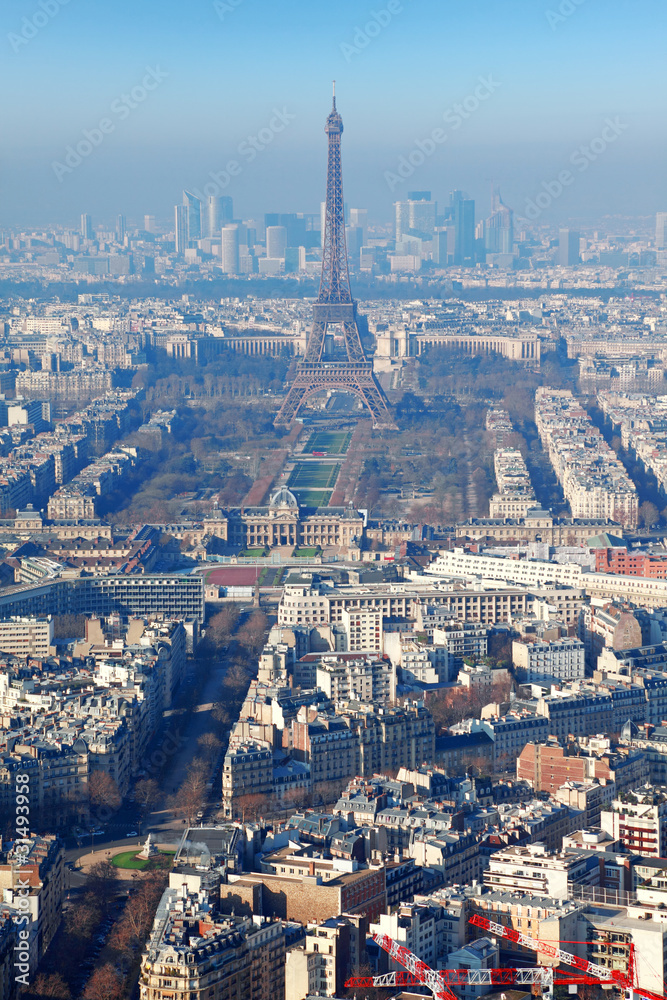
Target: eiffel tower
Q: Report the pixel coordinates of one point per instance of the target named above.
(335, 306)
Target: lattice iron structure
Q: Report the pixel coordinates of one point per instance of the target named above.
(335, 307)
(441, 981)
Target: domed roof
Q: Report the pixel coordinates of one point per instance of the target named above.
(284, 498)
(629, 730)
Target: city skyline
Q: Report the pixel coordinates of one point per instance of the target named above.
(549, 85)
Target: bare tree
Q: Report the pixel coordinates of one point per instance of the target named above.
(103, 790)
(101, 882)
(210, 745)
(190, 797)
(48, 986)
(104, 984)
(147, 794)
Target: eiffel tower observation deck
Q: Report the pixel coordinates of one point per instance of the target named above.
(335, 307)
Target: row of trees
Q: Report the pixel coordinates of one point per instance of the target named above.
(111, 980)
(248, 641)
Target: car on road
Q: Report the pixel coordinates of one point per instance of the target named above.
(132, 833)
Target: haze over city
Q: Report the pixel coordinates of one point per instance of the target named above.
(559, 78)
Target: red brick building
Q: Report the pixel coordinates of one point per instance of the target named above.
(547, 766)
(621, 562)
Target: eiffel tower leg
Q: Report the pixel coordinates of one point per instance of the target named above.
(374, 398)
(291, 403)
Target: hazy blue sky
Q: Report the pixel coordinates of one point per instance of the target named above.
(228, 66)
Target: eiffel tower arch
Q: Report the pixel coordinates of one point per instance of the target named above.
(335, 307)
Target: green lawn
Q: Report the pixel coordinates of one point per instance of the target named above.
(313, 498)
(255, 553)
(129, 859)
(332, 442)
(306, 553)
(314, 476)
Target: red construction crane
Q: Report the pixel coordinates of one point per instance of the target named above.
(592, 973)
(439, 981)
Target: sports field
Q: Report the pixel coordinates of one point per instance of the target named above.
(313, 498)
(314, 476)
(331, 442)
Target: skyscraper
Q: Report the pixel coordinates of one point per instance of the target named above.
(194, 215)
(86, 226)
(416, 216)
(295, 259)
(359, 220)
(402, 218)
(499, 231)
(661, 231)
(219, 213)
(149, 223)
(120, 228)
(180, 229)
(276, 241)
(568, 247)
(229, 250)
(463, 209)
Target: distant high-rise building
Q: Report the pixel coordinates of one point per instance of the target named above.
(422, 217)
(180, 228)
(402, 217)
(359, 220)
(86, 226)
(194, 215)
(463, 209)
(229, 250)
(295, 259)
(276, 241)
(499, 229)
(354, 237)
(568, 247)
(661, 231)
(443, 245)
(120, 228)
(219, 213)
(149, 223)
(416, 216)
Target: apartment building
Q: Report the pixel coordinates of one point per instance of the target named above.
(26, 637)
(213, 957)
(639, 820)
(350, 677)
(35, 875)
(594, 480)
(544, 662)
(547, 766)
(515, 496)
(247, 770)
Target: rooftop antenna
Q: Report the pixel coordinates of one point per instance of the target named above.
(334, 95)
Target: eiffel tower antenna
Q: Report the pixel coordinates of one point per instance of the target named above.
(335, 306)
